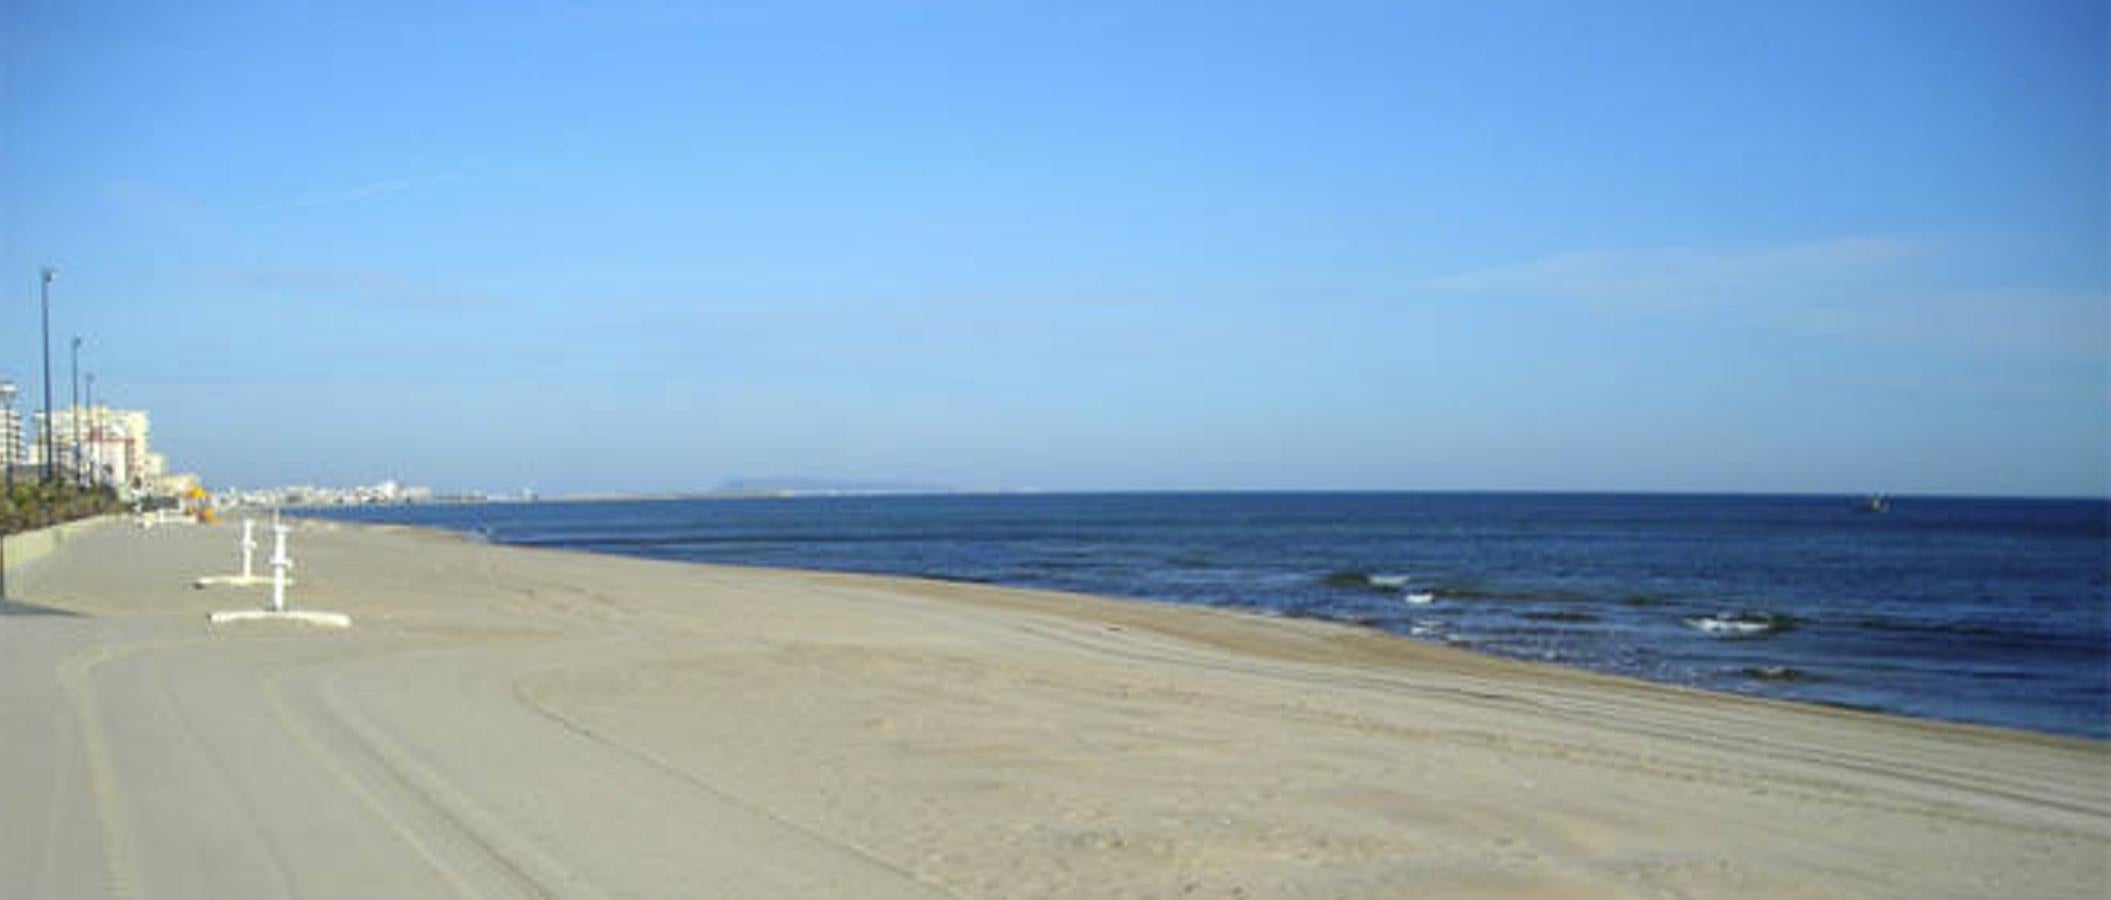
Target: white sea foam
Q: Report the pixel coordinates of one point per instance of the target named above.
(1734, 624)
(1387, 580)
(1421, 599)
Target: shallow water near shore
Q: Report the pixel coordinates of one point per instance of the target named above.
(1979, 610)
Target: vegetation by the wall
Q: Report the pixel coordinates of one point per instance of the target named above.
(32, 504)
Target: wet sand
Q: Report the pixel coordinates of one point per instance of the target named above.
(506, 722)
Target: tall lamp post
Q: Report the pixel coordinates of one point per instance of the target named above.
(50, 446)
(73, 418)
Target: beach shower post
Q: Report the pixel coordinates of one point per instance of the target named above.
(279, 564)
(249, 572)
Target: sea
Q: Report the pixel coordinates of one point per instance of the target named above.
(1986, 610)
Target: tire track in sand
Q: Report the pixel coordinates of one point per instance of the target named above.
(433, 820)
(76, 679)
(523, 693)
(273, 852)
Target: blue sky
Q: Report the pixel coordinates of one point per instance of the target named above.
(656, 245)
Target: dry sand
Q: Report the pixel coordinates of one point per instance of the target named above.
(504, 722)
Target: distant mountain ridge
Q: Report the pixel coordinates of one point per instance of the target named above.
(809, 485)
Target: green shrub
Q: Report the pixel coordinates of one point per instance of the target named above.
(39, 504)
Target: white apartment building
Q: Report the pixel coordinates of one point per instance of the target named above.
(111, 442)
(13, 452)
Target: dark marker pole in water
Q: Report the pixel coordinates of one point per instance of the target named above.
(50, 447)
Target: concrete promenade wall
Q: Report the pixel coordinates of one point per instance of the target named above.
(17, 550)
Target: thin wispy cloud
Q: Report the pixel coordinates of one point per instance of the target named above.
(362, 286)
(1665, 278)
(369, 191)
(161, 210)
(691, 14)
(1880, 288)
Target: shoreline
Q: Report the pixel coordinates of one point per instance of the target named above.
(1383, 636)
(500, 720)
(1853, 497)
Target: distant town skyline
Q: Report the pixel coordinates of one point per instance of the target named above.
(660, 246)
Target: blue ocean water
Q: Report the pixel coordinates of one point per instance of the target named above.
(1983, 610)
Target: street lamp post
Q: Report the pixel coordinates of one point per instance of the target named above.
(73, 419)
(50, 447)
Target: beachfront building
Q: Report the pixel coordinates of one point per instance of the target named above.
(387, 492)
(11, 443)
(112, 455)
(113, 446)
(56, 431)
(179, 484)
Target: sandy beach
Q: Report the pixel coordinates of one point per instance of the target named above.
(504, 722)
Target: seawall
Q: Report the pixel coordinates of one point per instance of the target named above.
(17, 550)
